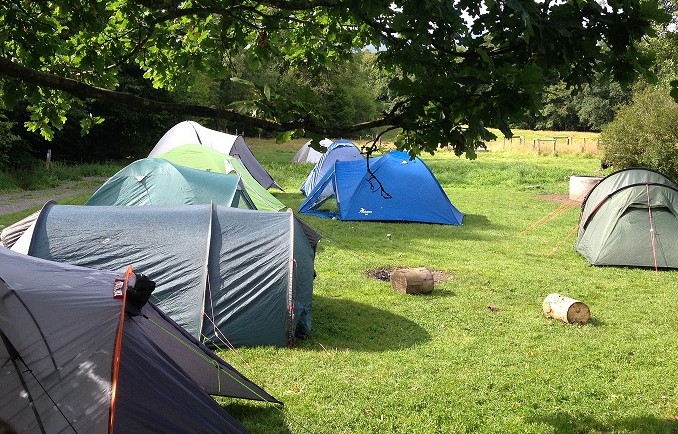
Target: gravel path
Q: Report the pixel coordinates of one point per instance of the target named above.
(23, 200)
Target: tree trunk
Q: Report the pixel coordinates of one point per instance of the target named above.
(412, 280)
(566, 309)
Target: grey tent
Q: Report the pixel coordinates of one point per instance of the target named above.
(10, 234)
(156, 181)
(630, 218)
(189, 133)
(306, 154)
(229, 276)
(74, 359)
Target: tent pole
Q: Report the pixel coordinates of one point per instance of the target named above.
(290, 285)
(117, 351)
(14, 355)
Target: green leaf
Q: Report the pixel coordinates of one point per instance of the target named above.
(283, 137)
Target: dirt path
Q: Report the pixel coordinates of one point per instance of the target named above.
(15, 202)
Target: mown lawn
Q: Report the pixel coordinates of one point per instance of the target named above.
(382, 362)
(379, 361)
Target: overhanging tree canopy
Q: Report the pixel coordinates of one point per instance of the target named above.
(454, 67)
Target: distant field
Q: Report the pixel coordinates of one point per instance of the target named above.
(538, 142)
(547, 142)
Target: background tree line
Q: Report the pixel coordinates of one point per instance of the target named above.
(345, 93)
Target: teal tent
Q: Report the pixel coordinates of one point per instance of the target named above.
(630, 218)
(207, 159)
(228, 276)
(156, 181)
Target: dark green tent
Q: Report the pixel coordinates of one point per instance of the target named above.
(630, 218)
(156, 181)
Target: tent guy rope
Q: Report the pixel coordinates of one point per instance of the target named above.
(653, 237)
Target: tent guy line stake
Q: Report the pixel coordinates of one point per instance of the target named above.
(224, 340)
(560, 243)
(564, 207)
(652, 232)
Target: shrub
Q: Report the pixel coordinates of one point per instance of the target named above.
(8, 140)
(644, 134)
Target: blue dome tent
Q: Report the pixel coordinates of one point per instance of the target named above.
(397, 189)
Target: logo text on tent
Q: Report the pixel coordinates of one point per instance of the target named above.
(365, 211)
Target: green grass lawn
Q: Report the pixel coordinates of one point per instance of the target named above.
(378, 361)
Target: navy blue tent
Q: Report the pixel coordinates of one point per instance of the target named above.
(398, 189)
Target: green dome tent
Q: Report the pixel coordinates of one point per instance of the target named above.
(205, 158)
(630, 218)
(156, 181)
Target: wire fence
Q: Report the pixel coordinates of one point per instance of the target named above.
(547, 145)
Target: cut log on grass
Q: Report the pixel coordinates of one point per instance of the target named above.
(566, 309)
(412, 280)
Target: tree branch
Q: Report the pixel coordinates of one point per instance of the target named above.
(82, 90)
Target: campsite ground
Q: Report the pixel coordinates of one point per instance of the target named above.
(478, 354)
(19, 201)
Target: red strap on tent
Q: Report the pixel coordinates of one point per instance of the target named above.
(652, 233)
(118, 347)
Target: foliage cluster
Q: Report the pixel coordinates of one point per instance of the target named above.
(644, 134)
(346, 93)
(453, 69)
(587, 109)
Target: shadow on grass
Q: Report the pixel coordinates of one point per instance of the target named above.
(595, 322)
(564, 423)
(403, 234)
(295, 199)
(347, 325)
(477, 220)
(259, 418)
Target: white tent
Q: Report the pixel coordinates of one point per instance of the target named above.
(192, 133)
(306, 154)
